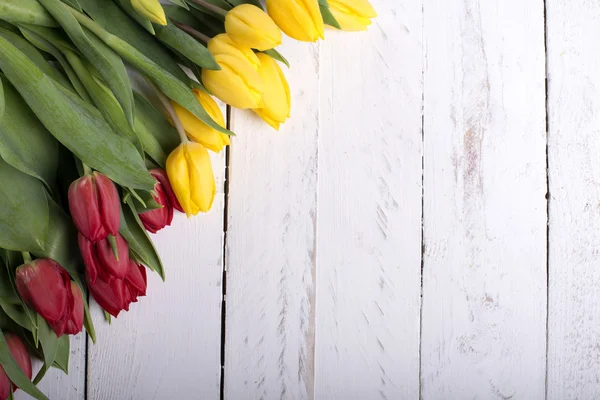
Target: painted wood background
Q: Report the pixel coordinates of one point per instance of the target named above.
(425, 226)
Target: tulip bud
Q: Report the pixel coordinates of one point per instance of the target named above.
(75, 323)
(222, 44)
(46, 287)
(276, 97)
(299, 19)
(250, 26)
(19, 352)
(197, 130)
(113, 292)
(237, 83)
(150, 10)
(191, 175)
(155, 220)
(95, 207)
(352, 15)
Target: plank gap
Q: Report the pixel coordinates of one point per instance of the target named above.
(423, 64)
(547, 200)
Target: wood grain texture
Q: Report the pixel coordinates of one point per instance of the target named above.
(574, 168)
(270, 255)
(56, 384)
(369, 215)
(484, 278)
(168, 345)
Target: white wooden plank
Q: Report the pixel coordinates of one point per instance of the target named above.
(484, 277)
(56, 384)
(369, 215)
(574, 168)
(270, 255)
(168, 344)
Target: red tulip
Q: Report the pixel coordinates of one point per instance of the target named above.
(95, 207)
(21, 356)
(155, 220)
(46, 287)
(113, 283)
(75, 323)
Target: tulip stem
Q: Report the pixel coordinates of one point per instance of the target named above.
(90, 24)
(86, 169)
(193, 32)
(26, 257)
(210, 7)
(171, 111)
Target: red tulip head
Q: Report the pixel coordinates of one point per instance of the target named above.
(19, 352)
(46, 287)
(155, 220)
(95, 207)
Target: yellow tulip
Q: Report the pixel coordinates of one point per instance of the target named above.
(237, 83)
(197, 130)
(151, 10)
(299, 19)
(352, 15)
(276, 97)
(250, 26)
(191, 176)
(222, 44)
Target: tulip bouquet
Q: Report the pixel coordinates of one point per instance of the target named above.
(106, 119)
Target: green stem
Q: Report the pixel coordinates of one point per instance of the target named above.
(210, 7)
(26, 257)
(198, 35)
(86, 169)
(171, 111)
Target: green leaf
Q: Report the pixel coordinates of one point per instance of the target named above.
(88, 323)
(181, 15)
(76, 124)
(62, 354)
(277, 56)
(253, 2)
(104, 100)
(31, 52)
(111, 18)
(180, 3)
(38, 38)
(61, 241)
(10, 302)
(74, 4)
(201, 9)
(134, 232)
(24, 212)
(107, 317)
(105, 60)
(25, 143)
(328, 17)
(156, 123)
(48, 340)
(215, 25)
(189, 47)
(15, 373)
(25, 11)
(128, 8)
(150, 144)
(2, 100)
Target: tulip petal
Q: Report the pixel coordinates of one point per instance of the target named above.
(177, 171)
(110, 206)
(85, 208)
(250, 26)
(161, 176)
(299, 19)
(110, 266)
(202, 181)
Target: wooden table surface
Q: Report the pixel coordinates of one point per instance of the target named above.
(427, 225)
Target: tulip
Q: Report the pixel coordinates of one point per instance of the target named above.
(191, 175)
(237, 83)
(151, 10)
(46, 287)
(276, 97)
(250, 26)
(352, 15)
(222, 44)
(197, 130)
(113, 283)
(299, 19)
(19, 352)
(155, 220)
(95, 207)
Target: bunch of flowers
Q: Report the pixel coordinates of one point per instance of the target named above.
(107, 118)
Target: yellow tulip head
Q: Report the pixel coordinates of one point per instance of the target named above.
(250, 26)
(191, 176)
(352, 15)
(237, 83)
(197, 130)
(276, 97)
(150, 10)
(299, 19)
(222, 44)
